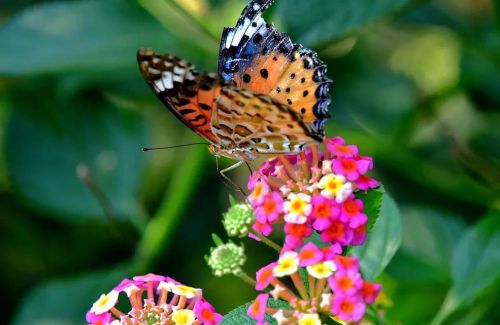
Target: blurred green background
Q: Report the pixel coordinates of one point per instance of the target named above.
(416, 85)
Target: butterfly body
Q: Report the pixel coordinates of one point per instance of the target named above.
(270, 95)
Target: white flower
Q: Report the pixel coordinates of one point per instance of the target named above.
(105, 303)
(322, 270)
(288, 264)
(335, 187)
(309, 319)
(297, 208)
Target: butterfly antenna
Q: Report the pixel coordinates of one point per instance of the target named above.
(177, 146)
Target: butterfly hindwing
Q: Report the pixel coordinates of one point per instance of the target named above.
(260, 122)
(257, 57)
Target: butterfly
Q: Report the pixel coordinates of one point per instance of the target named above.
(270, 96)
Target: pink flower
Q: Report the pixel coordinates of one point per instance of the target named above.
(262, 227)
(126, 283)
(365, 183)
(370, 291)
(338, 148)
(296, 233)
(348, 308)
(257, 310)
(206, 313)
(254, 178)
(352, 212)
(351, 168)
(270, 208)
(346, 283)
(264, 276)
(337, 233)
(364, 163)
(323, 212)
(331, 251)
(359, 235)
(310, 254)
(150, 277)
(101, 319)
(346, 263)
(260, 190)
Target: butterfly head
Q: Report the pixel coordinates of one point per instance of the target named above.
(214, 150)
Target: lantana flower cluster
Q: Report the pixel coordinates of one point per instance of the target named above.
(153, 299)
(313, 192)
(334, 287)
(312, 195)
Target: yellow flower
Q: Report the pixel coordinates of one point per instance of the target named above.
(287, 264)
(183, 317)
(297, 208)
(188, 292)
(105, 303)
(309, 319)
(322, 270)
(335, 186)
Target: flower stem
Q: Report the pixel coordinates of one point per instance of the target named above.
(297, 281)
(266, 240)
(248, 280)
(288, 168)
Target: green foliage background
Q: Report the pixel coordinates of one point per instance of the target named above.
(416, 85)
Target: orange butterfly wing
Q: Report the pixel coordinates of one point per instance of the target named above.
(222, 113)
(187, 93)
(259, 122)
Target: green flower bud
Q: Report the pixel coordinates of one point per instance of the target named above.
(238, 220)
(226, 258)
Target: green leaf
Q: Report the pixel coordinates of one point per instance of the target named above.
(66, 301)
(238, 316)
(406, 295)
(383, 241)
(82, 35)
(476, 259)
(180, 22)
(497, 13)
(45, 147)
(372, 203)
(316, 22)
(429, 237)
(475, 267)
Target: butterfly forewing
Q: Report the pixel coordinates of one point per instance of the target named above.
(188, 94)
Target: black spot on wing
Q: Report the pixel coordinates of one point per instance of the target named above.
(198, 121)
(205, 107)
(186, 111)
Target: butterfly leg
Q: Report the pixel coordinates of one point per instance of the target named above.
(227, 179)
(249, 167)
